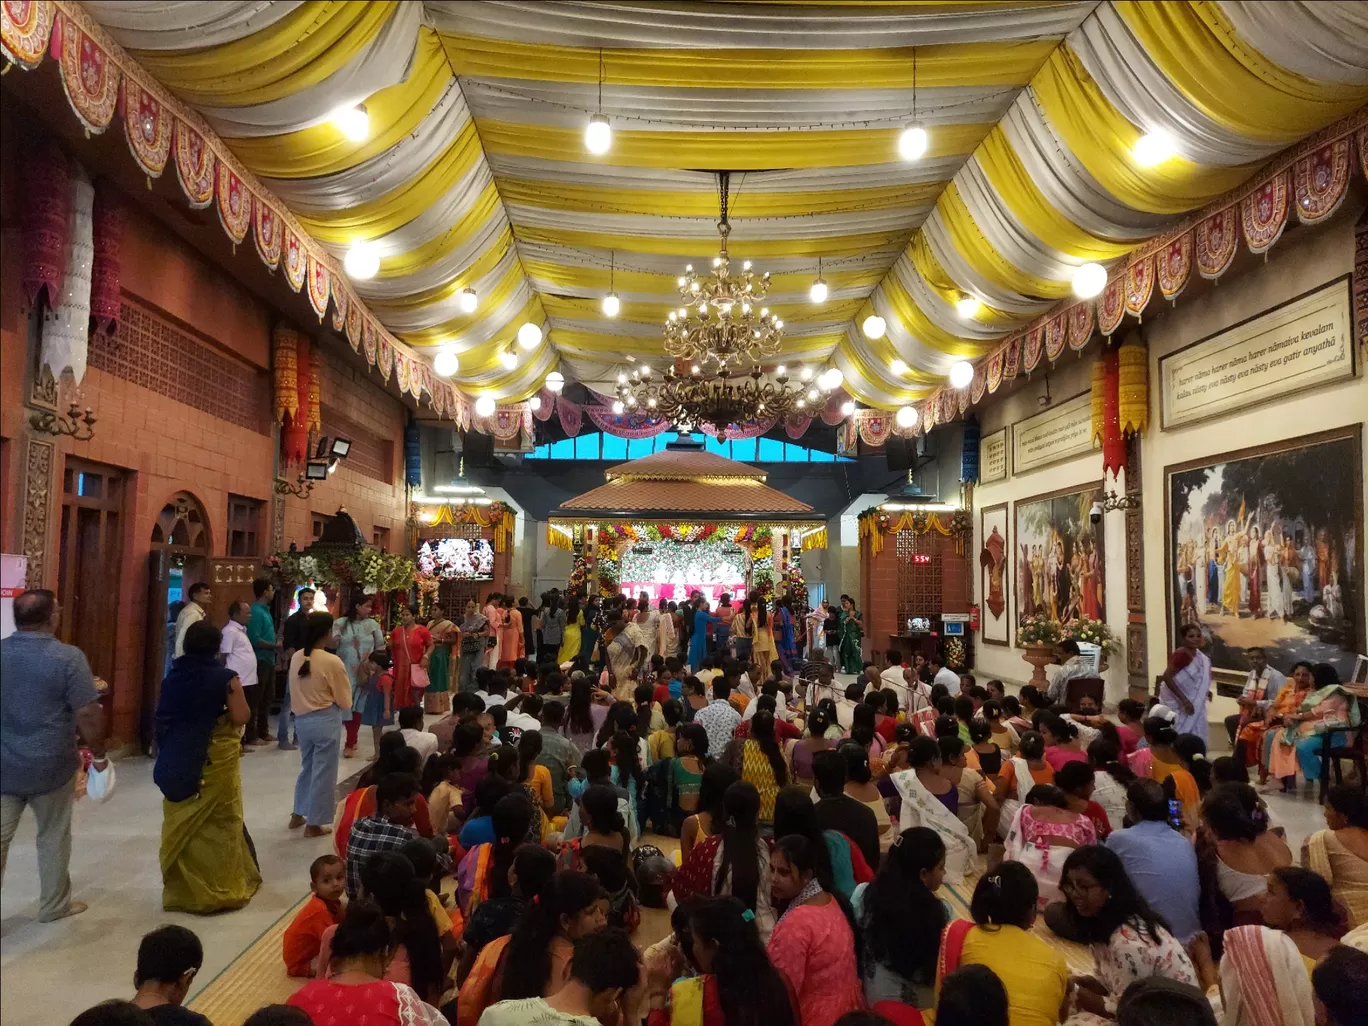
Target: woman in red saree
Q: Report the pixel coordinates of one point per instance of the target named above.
(411, 644)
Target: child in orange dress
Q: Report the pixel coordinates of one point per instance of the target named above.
(303, 937)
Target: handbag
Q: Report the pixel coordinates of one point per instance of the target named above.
(100, 783)
(418, 677)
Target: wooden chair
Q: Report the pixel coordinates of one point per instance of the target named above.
(1355, 749)
(1081, 687)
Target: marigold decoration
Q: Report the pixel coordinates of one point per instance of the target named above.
(495, 515)
(284, 372)
(875, 522)
(815, 539)
(557, 538)
(1133, 388)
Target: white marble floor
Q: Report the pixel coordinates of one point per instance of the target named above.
(49, 972)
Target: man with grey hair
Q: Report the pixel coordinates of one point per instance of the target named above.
(47, 697)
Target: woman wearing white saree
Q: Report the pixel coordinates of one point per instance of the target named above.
(1187, 684)
(920, 808)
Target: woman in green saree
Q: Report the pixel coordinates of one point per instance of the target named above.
(851, 631)
(437, 697)
(207, 860)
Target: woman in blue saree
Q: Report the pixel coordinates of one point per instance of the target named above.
(208, 863)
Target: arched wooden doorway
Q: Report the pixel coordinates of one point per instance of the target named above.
(179, 558)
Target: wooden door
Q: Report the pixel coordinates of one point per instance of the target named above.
(231, 578)
(89, 552)
(159, 640)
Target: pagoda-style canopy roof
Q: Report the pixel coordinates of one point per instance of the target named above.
(680, 483)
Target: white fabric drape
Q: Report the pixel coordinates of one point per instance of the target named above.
(757, 26)
(186, 24)
(440, 271)
(1005, 234)
(448, 308)
(969, 278)
(385, 61)
(937, 310)
(906, 344)
(808, 226)
(1326, 40)
(66, 333)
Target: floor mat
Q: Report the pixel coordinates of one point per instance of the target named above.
(254, 979)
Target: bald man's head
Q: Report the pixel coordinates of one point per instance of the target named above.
(35, 610)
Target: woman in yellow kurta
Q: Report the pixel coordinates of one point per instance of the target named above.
(570, 640)
(208, 863)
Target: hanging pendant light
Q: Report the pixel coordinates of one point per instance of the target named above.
(598, 134)
(914, 140)
(611, 304)
(470, 299)
(818, 292)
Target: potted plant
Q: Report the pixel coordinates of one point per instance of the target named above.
(1038, 635)
(1092, 632)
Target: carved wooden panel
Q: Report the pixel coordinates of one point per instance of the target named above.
(37, 507)
(1136, 659)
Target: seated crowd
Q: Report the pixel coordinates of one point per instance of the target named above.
(491, 868)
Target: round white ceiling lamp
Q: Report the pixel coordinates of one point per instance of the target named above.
(906, 416)
(362, 261)
(529, 335)
(470, 299)
(352, 122)
(555, 381)
(618, 407)
(509, 359)
(967, 307)
(898, 367)
(912, 142)
(831, 378)
(874, 326)
(961, 374)
(535, 402)
(446, 363)
(1089, 280)
(847, 408)
(819, 291)
(1153, 148)
(485, 406)
(806, 374)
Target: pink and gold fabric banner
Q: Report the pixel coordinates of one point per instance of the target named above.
(796, 425)
(234, 205)
(1263, 214)
(1139, 285)
(266, 230)
(1215, 242)
(147, 127)
(1175, 267)
(1111, 305)
(1320, 181)
(1032, 347)
(571, 415)
(1080, 324)
(874, 425)
(89, 78)
(25, 29)
(628, 425)
(194, 166)
(1056, 336)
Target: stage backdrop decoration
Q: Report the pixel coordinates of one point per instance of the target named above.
(675, 568)
(1057, 557)
(1265, 548)
(994, 562)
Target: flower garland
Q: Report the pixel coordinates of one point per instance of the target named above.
(876, 522)
(607, 567)
(579, 574)
(634, 532)
(684, 564)
(373, 569)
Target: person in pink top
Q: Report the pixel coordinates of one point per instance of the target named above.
(1061, 741)
(813, 943)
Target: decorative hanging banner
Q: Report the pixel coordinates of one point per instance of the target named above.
(736, 432)
(25, 30)
(1361, 143)
(874, 426)
(105, 299)
(1012, 361)
(315, 419)
(994, 374)
(976, 390)
(316, 279)
(1139, 285)
(1175, 267)
(45, 216)
(1321, 181)
(1132, 388)
(547, 407)
(796, 425)
(1111, 305)
(415, 388)
(234, 204)
(384, 358)
(949, 405)
(928, 418)
(369, 342)
(1032, 347)
(355, 322)
(962, 400)
(571, 415)
(1216, 238)
(89, 78)
(339, 304)
(1263, 214)
(1080, 325)
(831, 414)
(1056, 335)
(266, 229)
(148, 127)
(629, 425)
(194, 165)
(401, 372)
(1097, 402)
(284, 372)
(292, 260)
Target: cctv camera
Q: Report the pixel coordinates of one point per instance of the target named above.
(1095, 514)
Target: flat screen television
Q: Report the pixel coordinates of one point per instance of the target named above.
(457, 559)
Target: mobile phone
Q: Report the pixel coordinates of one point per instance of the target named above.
(1175, 816)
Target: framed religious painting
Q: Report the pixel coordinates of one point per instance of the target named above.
(994, 559)
(1058, 558)
(1264, 548)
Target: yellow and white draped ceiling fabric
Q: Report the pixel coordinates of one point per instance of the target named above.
(475, 174)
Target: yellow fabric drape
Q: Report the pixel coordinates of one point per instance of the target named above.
(490, 300)
(920, 523)
(502, 520)
(395, 112)
(944, 64)
(469, 275)
(740, 151)
(755, 249)
(815, 539)
(1104, 141)
(565, 276)
(467, 225)
(936, 278)
(558, 539)
(975, 248)
(925, 330)
(1013, 185)
(1196, 48)
(300, 50)
(400, 206)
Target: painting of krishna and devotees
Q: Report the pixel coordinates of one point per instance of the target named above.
(1059, 558)
(1266, 547)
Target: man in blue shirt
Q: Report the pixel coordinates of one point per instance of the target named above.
(47, 697)
(1159, 860)
(261, 633)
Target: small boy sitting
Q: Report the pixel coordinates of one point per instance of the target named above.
(328, 881)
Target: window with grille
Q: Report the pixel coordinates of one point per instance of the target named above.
(244, 526)
(919, 575)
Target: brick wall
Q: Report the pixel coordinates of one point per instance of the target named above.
(879, 588)
(164, 434)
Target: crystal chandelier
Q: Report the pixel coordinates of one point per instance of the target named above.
(721, 329)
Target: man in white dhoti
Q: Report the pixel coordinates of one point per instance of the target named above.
(1186, 684)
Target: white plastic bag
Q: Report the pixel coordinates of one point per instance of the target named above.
(100, 783)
